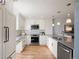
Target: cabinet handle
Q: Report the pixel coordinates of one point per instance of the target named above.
(8, 34)
(5, 30)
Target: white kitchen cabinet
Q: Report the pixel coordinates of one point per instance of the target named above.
(43, 40)
(28, 40)
(0, 32)
(19, 47)
(24, 41)
(20, 44)
(7, 31)
(9, 42)
(52, 45)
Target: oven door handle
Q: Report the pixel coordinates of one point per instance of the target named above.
(65, 49)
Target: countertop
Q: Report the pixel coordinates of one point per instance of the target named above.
(64, 42)
(19, 39)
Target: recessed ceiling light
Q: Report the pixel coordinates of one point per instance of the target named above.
(58, 23)
(53, 16)
(69, 4)
(58, 11)
(53, 25)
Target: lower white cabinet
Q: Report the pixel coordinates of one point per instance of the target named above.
(19, 47)
(52, 45)
(43, 40)
(28, 40)
(20, 44)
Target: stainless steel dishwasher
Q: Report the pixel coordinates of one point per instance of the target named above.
(64, 52)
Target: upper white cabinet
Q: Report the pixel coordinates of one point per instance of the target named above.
(39, 22)
(20, 22)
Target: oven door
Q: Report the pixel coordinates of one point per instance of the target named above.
(35, 39)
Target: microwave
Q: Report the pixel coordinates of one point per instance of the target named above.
(69, 28)
(34, 27)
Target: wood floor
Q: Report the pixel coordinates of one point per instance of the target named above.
(35, 52)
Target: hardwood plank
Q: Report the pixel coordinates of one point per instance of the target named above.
(35, 52)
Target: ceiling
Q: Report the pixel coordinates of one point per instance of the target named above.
(43, 8)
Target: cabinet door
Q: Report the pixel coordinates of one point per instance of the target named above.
(0, 33)
(52, 44)
(43, 40)
(28, 40)
(12, 32)
(9, 22)
(54, 47)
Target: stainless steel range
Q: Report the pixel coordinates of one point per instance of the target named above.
(35, 38)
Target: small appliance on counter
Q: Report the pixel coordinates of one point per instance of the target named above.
(42, 33)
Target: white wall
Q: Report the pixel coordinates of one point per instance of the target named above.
(62, 19)
(44, 24)
(59, 28)
(20, 22)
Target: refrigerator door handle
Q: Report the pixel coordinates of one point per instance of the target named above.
(7, 33)
(2, 2)
(6, 29)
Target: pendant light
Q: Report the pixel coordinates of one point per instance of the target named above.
(68, 21)
(58, 23)
(53, 25)
(53, 20)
